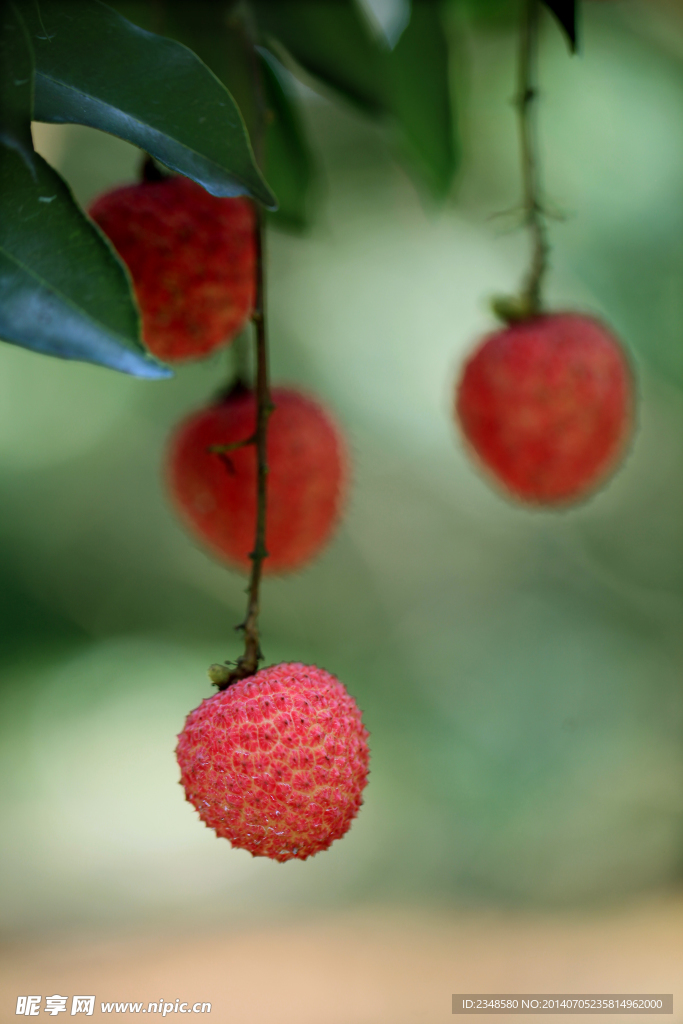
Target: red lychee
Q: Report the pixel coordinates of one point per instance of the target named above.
(192, 258)
(547, 405)
(277, 762)
(215, 493)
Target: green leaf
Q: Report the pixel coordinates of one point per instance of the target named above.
(93, 67)
(63, 291)
(565, 12)
(419, 95)
(216, 34)
(409, 85)
(490, 14)
(222, 39)
(333, 42)
(16, 82)
(289, 161)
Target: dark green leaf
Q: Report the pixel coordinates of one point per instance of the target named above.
(333, 42)
(150, 16)
(16, 82)
(419, 95)
(223, 40)
(93, 67)
(288, 160)
(490, 14)
(62, 289)
(217, 35)
(565, 12)
(409, 85)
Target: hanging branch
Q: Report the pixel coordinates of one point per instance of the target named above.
(223, 676)
(529, 302)
(527, 98)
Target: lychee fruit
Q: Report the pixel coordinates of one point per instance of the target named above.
(547, 405)
(215, 491)
(277, 762)
(192, 258)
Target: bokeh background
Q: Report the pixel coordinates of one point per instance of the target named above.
(521, 672)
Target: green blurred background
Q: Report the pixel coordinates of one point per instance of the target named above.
(521, 672)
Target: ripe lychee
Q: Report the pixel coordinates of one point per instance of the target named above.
(547, 406)
(192, 258)
(215, 492)
(277, 762)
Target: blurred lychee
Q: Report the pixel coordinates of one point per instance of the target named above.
(212, 478)
(192, 259)
(547, 406)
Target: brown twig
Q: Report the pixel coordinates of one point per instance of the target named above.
(527, 97)
(529, 302)
(223, 676)
(221, 449)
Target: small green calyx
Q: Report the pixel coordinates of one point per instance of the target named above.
(512, 309)
(219, 674)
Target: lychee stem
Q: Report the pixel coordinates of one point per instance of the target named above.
(247, 663)
(240, 352)
(527, 97)
(264, 407)
(223, 676)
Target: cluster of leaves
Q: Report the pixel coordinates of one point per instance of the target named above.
(189, 84)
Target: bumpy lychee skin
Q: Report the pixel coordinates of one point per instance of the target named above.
(215, 494)
(192, 259)
(277, 763)
(547, 406)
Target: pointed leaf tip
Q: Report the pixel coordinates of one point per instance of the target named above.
(565, 12)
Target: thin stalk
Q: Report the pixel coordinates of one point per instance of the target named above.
(223, 676)
(240, 359)
(527, 98)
